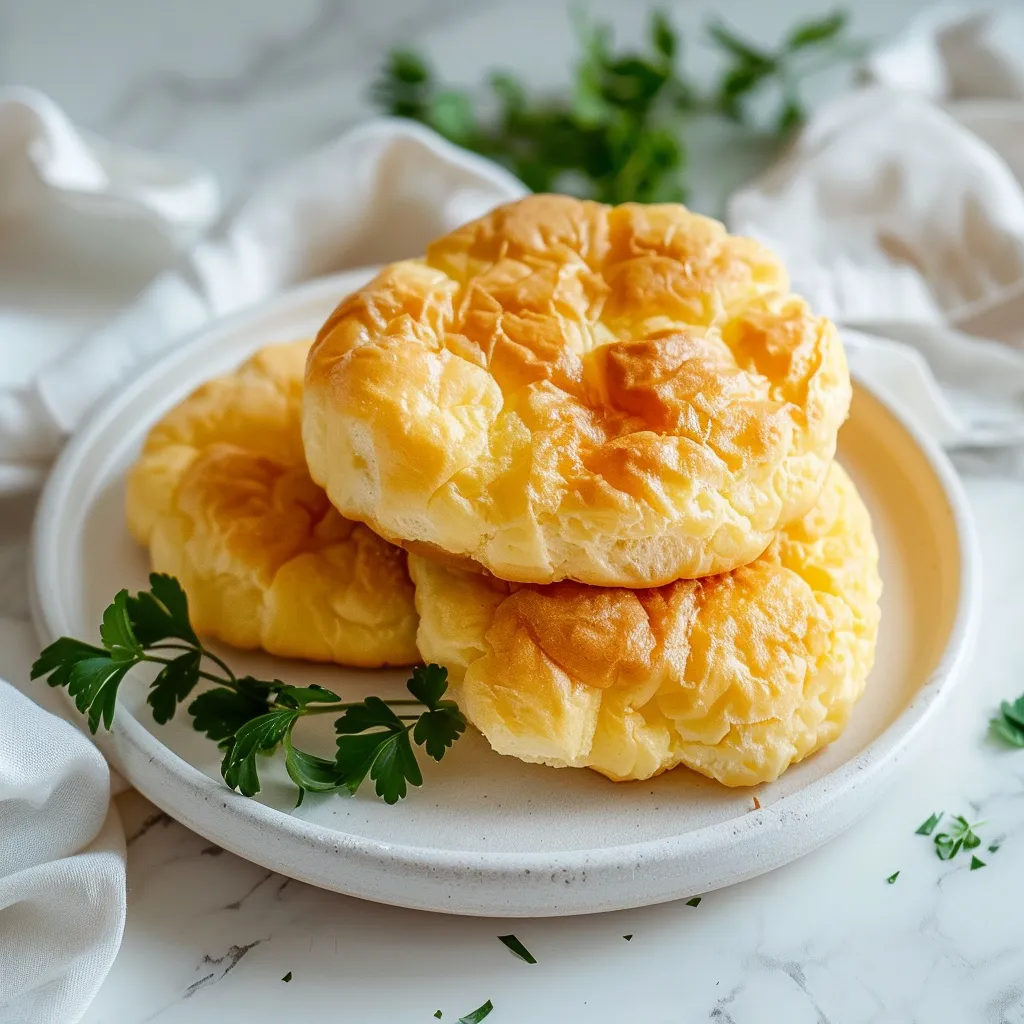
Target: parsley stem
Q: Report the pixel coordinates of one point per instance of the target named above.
(202, 675)
(331, 709)
(217, 661)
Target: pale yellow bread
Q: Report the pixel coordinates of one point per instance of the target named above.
(736, 676)
(564, 390)
(222, 498)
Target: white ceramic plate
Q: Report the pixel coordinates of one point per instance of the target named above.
(488, 834)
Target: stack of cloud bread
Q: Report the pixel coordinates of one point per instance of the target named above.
(605, 438)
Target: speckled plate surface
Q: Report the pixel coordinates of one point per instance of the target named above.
(488, 834)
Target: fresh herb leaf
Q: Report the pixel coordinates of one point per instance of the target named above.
(438, 1014)
(478, 1014)
(311, 773)
(976, 862)
(116, 630)
(287, 977)
(222, 711)
(61, 654)
(812, 33)
(628, 938)
(693, 902)
(517, 948)
(993, 848)
(428, 684)
(94, 682)
(892, 878)
(385, 755)
(1008, 725)
(260, 735)
(303, 696)
(960, 836)
(732, 43)
(161, 613)
(173, 685)
(928, 827)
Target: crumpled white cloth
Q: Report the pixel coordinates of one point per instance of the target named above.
(62, 867)
(380, 192)
(900, 213)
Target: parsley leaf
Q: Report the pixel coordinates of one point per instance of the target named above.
(693, 901)
(1008, 725)
(960, 836)
(477, 1015)
(222, 711)
(116, 630)
(814, 32)
(628, 938)
(257, 736)
(976, 862)
(892, 878)
(428, 684)
(94, 682)
(287, 977)
(310, 773)
(517, 948)
(173, 685)
(161, 613)
(926, 828)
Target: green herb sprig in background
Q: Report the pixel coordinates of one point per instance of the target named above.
(619, 134)
(1008, 725)
(245, 716)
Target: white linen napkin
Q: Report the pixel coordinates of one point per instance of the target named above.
(62, 867)
(900, 212)
(380, 192)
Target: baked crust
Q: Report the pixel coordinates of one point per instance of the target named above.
(622, 396)
(221, 497)
(736, 676)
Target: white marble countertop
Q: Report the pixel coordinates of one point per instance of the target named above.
(242, 86)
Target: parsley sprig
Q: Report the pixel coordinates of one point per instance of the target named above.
(957, 836)
(245, 716)
(618, 135)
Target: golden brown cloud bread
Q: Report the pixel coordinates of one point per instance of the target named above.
(222, 498)
(736, 676)
(565, 390)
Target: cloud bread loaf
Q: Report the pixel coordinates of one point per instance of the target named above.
(736, 676)
(222, 498)
(622, 396)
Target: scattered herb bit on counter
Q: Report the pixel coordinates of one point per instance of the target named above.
(694, 902)
(438, 1014)
(993, 848)
(892, 878)
(628, 938)
(287, 977)
(1008, 725)
(518, 948)
(618, 135)
(977, 862)
(477, 1015)
(245, 716)
(928, 827)
(960, 836)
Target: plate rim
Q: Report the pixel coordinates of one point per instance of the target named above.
(870, 765)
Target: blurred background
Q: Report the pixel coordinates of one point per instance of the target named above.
(243, 86)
